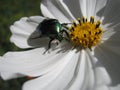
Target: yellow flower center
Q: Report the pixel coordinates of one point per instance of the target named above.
(86, 34)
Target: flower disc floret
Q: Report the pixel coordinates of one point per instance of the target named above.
(86, 34)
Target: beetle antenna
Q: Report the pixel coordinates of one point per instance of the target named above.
(65, 23)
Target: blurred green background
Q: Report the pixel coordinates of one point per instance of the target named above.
(10, 11)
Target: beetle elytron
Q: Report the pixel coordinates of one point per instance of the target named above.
(53, 29)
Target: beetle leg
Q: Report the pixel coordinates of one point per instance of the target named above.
(49, 45)
(64, 31)
(65, 25)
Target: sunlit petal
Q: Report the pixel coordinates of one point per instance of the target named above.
(113, 35)
(109, 58)
(111, 13)
(31, 63)
(57, 9)
(22, 29)
(58, 78)
(92, 8)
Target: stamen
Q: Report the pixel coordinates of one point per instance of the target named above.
(72, 28)
(86, 19)
(92, 19)
(83, 19)
(98, 24)
(74, 23)
(79, 21)
(86, 34)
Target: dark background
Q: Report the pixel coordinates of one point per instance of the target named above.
(10, 11)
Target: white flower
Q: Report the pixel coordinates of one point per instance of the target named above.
(65, 68)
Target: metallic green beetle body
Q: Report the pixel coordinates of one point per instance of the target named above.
(53, 29)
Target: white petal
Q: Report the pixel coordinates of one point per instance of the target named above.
(99, 8)
(107, 35)
(112, 35)
(23, 29)
(58, 78)
(9, 75)
(84, 77)
(117, 87)
(45, 11)
(92, 7)
(31, 63)
(102, 77)
(83, 7)
(73, 7)
(110, 59)
(102, 87)
(56, 9)
(112, 12)
(89, 75)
